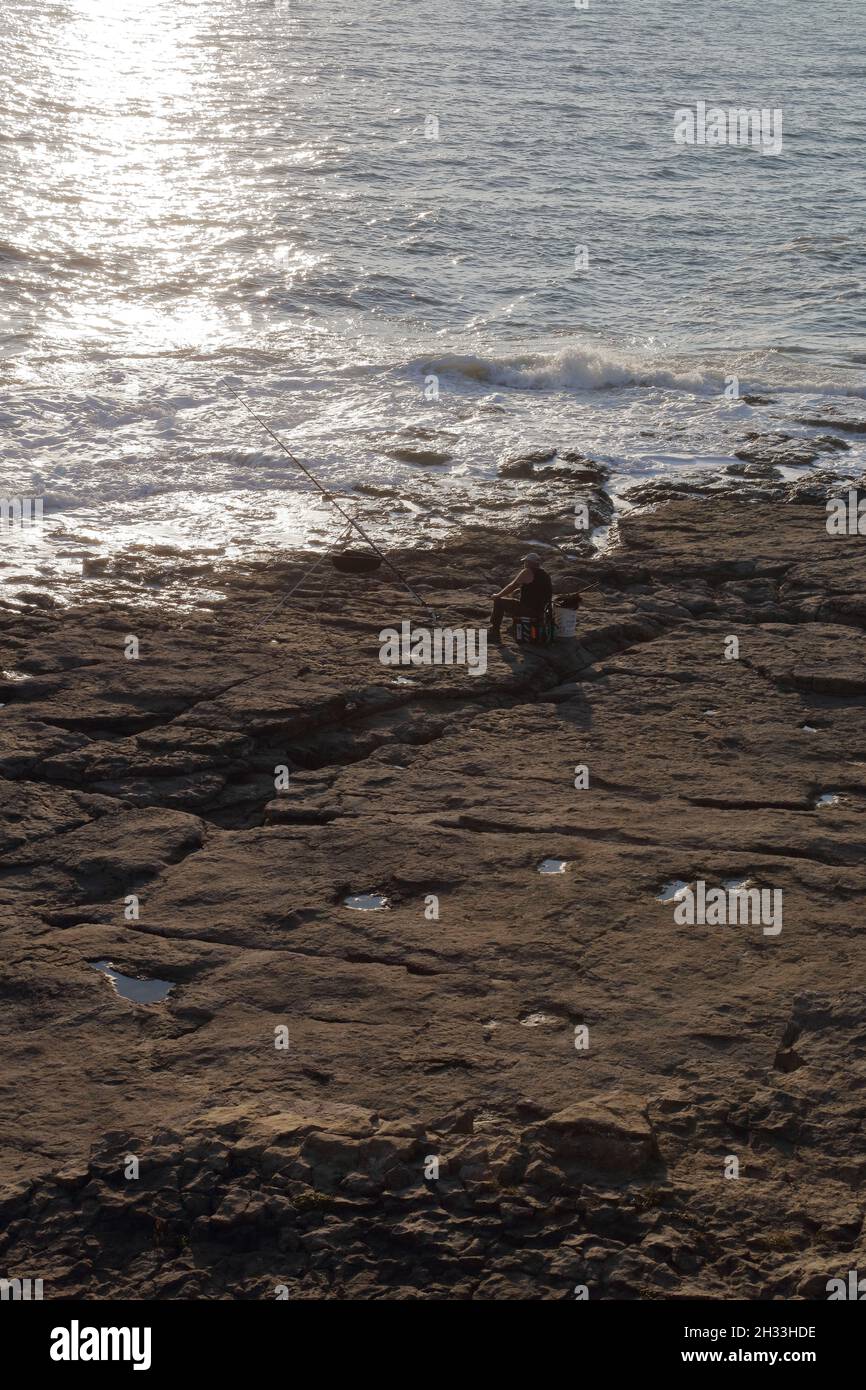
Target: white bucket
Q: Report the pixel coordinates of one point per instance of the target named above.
(566, 622)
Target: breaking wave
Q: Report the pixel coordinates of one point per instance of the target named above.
(571, 369)
(596, 369)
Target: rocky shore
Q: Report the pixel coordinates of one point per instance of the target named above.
(499, 1083)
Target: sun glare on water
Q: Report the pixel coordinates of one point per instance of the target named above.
(123, 160)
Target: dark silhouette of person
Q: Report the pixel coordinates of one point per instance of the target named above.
(536, 592)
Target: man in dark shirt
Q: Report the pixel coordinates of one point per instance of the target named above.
(536, 592)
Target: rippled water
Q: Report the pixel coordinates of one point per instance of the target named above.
(192, 188)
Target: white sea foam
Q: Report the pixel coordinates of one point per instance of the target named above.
(570, 369)
(599, 369)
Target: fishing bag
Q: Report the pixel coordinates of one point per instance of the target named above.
(539, 631)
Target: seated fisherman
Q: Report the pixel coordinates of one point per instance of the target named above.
(536, 592)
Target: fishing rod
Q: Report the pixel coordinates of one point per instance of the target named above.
(329, 497)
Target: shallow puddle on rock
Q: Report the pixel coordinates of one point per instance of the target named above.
(828, 799)
(552, 866)
(599, 538)
(366, 902)
(401, 680)
(485, 1121)
(711, 711)
(808, 728)
(671, 892)
(139, 991)
(15, 676)
(537, 1020)
(733, 885)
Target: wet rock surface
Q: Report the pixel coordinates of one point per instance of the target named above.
(779, 448)
(417, 1136)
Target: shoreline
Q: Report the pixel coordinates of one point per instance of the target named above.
(453, 1037)
(533, 494)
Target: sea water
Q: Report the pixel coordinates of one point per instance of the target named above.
(418, 237)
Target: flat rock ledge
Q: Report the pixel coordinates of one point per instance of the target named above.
(501, 1084)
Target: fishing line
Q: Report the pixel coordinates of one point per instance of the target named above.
(329, 497)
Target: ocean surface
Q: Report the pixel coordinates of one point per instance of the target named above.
(418, 237)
